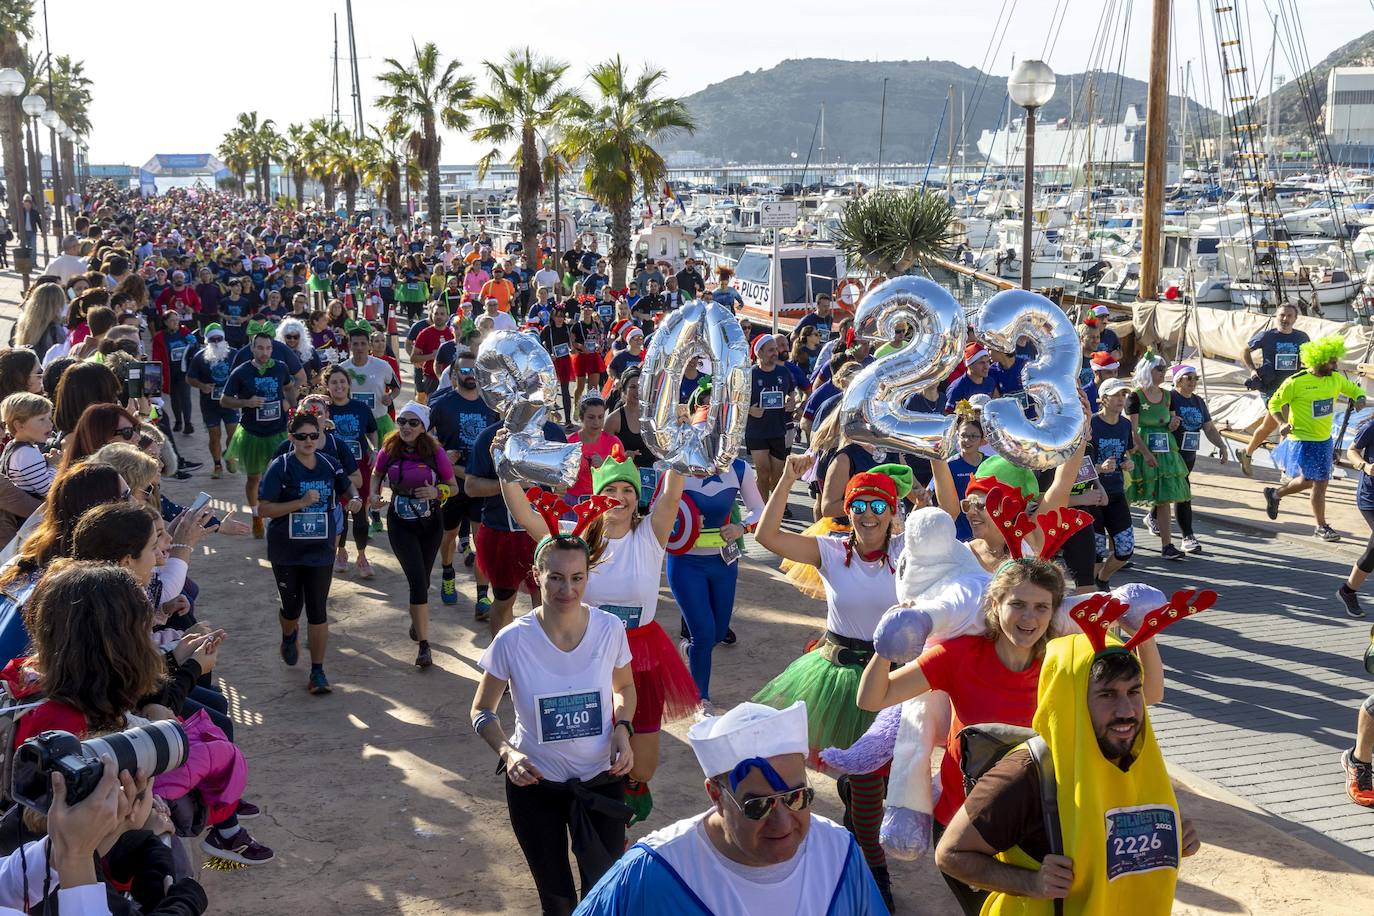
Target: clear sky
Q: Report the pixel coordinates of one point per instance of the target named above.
(169, 77)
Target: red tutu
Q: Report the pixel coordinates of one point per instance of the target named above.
(664, 688)
(506, 558)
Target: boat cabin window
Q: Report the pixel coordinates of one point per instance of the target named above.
(794, 280)
(752, 267)
(823, 273)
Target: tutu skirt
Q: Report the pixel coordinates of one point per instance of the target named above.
(1308, 460)
(664, 689)
(385, 427)
(1165, 483)
(253, 453)
(833, 718)
(803, 576)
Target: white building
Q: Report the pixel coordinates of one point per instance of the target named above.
(1350, 107)
(1059, 144)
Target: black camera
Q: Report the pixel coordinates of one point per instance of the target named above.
(155, 748)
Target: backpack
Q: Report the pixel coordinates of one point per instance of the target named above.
(12, 709)
(981, 746)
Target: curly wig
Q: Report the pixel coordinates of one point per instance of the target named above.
(1318, 352)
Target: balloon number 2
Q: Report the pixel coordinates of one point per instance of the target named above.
(699, 328)
(517, 380)
(873, 410)
(1050, 380)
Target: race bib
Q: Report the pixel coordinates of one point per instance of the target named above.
(565, 716)
(269, 412)
(629, 615)
(606, 312)
(309, 526)
(1157, 442)
(233, 320)
(771, 399)
(1087, 472)
(368, 398)
(1191, 441)
(216, 392)
(730, 552)
(1141, 839)
(356, 448)
(1323, 407)
(648, 482)
(824, 332)
(560, 351)
(1286, 362)
(410, 508)
(412, 286)
(176, 353)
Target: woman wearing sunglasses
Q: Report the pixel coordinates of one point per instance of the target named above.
(859, 573)
(420, 476)
(297, 497)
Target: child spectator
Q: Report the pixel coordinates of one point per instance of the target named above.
(28, 420)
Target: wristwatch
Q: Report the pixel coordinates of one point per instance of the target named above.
(629, 729)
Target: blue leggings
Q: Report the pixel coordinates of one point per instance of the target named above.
(704, 589)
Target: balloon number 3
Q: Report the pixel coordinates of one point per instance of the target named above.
(518, 381)
(1050, 380)
(699, 328)
(873, 410)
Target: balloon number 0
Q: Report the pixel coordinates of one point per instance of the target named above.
(699, 328)
(1050, 380)
(873, 410)
(517, 380)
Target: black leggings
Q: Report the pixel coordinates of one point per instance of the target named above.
(1184, 510)
(1080, 556)
(415, 542)
(541, 816)
(360, 521)
(1366, 561)
(303, 586)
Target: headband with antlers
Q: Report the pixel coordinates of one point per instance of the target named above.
(1007, 509)
(551, 508)
(1096, 614)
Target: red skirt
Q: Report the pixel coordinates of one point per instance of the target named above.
(506, 558)
(664, 689)
(590, 364)
(563, 367)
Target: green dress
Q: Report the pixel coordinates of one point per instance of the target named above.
(1168, 482)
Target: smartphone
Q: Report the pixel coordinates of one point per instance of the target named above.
(202, 498)
(152, 380)
(133, 383)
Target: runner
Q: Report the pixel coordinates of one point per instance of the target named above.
(568, 667)
(1112, 441)
(1360, 455)
(625, 581)
(356, 430)
(259, 386)
(1279, 359)
(418, 472)
(1160, 478)
(297, 495)
(1194, 420)
(772, 400)
(374, 381)
(758, 848)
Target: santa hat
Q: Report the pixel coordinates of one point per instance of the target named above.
(631, 330)
(974, 352)
(1105, 362)
(757, 344)
(748, 733)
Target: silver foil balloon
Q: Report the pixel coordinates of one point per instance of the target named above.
(872, 410)
(701, 327)
(516, 377)
(1050, 380)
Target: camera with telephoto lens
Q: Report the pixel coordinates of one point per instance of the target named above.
(155, 748)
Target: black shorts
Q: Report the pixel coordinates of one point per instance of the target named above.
(776, 446)
(460, 506)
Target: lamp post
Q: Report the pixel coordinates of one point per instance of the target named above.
(1031, 86)
(12, 87)
(34, 106)
(53, 121)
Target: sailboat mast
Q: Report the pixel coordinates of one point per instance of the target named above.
(335, 99)
(353, 68)
(949, 144)
(1183, 116)
(822, 147)
(1156, 149)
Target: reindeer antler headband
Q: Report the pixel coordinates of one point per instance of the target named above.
(1096, 615)
(1007, 509)
(552, 509)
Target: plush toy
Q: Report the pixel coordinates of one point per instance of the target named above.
(940, 587)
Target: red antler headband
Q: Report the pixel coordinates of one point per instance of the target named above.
(1007, 509)
(1096, 615)
(551, 508)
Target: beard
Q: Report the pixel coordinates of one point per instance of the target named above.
(1114, 748)
(467, 383)
(216, 351)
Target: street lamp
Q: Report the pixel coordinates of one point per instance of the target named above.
(34, 106)
(12, 87)
(1031, 86)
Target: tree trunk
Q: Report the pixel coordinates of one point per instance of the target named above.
(298, 177)
(36, 184)
(16, 171)
(350, 199)
(433, 199)
(330, 192)
(393, 197)
(620, 239)
(530, 174)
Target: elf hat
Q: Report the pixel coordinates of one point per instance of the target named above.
(616, 468)
(887, 481)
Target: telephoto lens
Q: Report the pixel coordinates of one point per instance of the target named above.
(154, 748)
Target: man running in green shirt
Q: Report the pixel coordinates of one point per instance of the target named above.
(1310, 396)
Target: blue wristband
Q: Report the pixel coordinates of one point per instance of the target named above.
(484, 718)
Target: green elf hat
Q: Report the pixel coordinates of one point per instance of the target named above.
(901, 476)
(212, 329)
(1004, 471)
(616, 469)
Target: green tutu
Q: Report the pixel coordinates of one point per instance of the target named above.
(385, 427)
(833, 718)
(1167, 482)
(253, 453)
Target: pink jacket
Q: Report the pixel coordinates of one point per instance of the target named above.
(214, 766)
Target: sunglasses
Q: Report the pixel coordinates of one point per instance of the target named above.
(863, 506)
(756, 809)
(126, 433)
(409, 421)
(301, 437)
(291, 337)
(466, 370)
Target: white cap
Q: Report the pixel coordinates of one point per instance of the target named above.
(417, 410)
(1111, 386)
(748, 730)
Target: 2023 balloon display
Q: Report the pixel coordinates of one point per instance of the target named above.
(699, 328)
(518, 381)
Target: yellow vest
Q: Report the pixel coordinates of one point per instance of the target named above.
(1122, 830)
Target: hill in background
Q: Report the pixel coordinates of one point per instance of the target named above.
(1289, 108)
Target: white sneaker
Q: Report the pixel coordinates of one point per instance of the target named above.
(1191, 545)
(684, 646)
(1152, 523)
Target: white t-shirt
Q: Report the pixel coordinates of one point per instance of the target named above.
(547, 277)
(501, 321)
(857, 595)
(371, 390)
(626, 581)
(564, 705)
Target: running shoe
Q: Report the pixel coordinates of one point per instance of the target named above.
(1359, 779)
(483, 609)
(290, 649)
(448, 591)
(1271, 502)
(259, 528)
(1351, 600)
(1191, 545)
(706, 711)
(188, 429)
(365, 568)
(1326, 533)
(185, 465)
(1247, 466)
(684, 646)
(231, 465)
(240, 848)
(469, 556)
(218, 472)
(422, 658)
(376, 526)
(1152, 523)
(1170, 552)
(246, 811)
(318, 682)
(341, 562)
(730, 638)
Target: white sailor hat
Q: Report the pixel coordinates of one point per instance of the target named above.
(748, 730)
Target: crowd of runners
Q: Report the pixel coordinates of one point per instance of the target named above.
(333, 364)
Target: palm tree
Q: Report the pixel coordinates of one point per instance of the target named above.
(316, 159)
(342, 160)
(613, 135)
(72, 99)
(525, 100)
(891, 231)
(426, 96)
(293, 159)
(16, 24)
(236, 152)
(386, 167)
